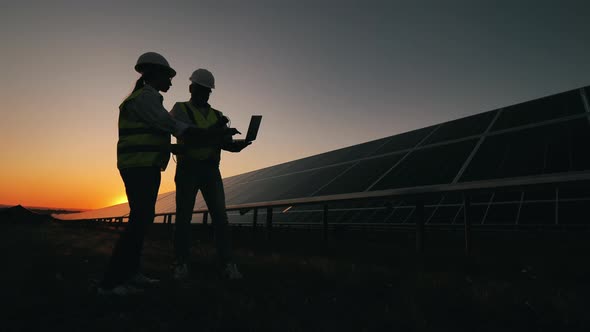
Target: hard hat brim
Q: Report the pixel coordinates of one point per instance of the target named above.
(203, 85)
(143, 67)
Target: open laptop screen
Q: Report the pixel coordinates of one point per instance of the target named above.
(253, 128)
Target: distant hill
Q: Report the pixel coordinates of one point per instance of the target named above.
(21, 215)
(45, 210)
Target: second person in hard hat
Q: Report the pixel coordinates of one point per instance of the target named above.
(198, 169)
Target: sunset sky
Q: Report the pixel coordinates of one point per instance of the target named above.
(325, 74)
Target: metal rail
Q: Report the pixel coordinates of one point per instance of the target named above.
(416, 195)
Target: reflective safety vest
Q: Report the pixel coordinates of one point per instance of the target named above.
(203, 122)
(140, 145)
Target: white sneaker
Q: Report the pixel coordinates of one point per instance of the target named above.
(181, 272)
(121, 290)
(141, 280)
(231, 272)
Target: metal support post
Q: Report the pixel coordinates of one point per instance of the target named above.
(268, 222)
(467, 215)
(420, 226)
(205, 215)
(254, 220)
(325, 220)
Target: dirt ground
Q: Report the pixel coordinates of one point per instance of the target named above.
(358, 281)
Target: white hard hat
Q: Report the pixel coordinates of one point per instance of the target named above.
(153, 58)
(203, 77)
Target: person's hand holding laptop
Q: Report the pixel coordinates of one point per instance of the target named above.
(239, 144)
(232, 145)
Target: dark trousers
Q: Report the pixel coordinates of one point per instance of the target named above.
(141, 186)
(192, 176)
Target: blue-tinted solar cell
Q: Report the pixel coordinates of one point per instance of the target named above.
(234, 180)
(537, 214)
(234, 192)
(308, 163)
(271, 171)
(404, 141)
(469, 126)
(257, 191)
(294, 185)
(559, 147)
(547, 108)
(360, 176)
(305, 184)
(353, 152)
(434, 165)
(337, 156)
(250, 176)
(505, 156)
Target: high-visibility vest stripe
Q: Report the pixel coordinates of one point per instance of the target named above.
(139, 131)
(143, 148)
(140, 145)
(200, 121)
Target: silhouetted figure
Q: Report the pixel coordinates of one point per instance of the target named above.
(198, 169)
(143, 151)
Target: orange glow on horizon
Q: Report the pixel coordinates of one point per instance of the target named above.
(119, 200)
(81, 185)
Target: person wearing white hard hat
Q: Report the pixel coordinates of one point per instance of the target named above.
(198, 169)
(143, 151)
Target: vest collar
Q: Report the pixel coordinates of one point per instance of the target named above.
(207, 105)
(152, 89)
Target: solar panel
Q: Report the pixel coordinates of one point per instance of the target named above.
(465, 127)
(433, 165)
(542, 109)
(360, 175)
(404, 141)
(307, 183)
(553, 148)
(548, 135)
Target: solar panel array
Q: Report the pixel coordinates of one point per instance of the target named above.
(544, 136)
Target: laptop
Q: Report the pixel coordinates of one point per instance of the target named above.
(252, 129)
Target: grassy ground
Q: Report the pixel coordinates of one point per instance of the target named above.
(295, 282)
